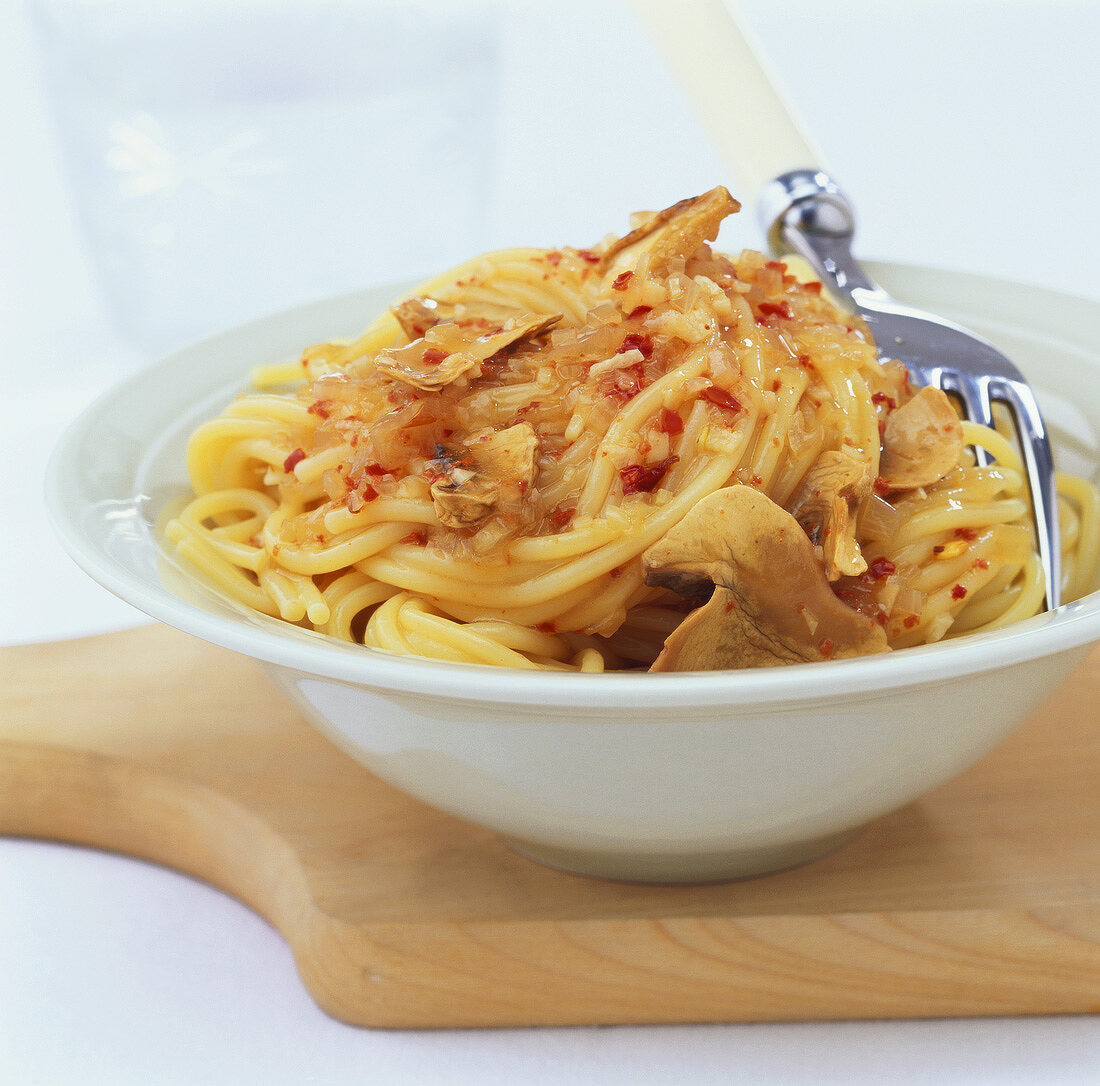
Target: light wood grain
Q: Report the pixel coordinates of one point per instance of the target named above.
(982, 898)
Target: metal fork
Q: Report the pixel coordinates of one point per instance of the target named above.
(804, 212)
(712, 51)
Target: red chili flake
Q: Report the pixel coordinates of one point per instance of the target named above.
(553, 258)
(669, 422)
(640, 478)
(849, 594)
(562, 516)
(804, 360)
(322, 409)
(881, 487)
(756, 480)
(639, 311)
(776, 385)
(616, 572)
(981, 563)
(622, 280)
(775, 309)
(588, 255)
(880, 618)
(730, 605)
(910, 621)
(636, 341)
(813, 287)
(966, 533)
(826, 647)
(881, 568)
(721, 398)
(293, 460)
(419, 538)
(374, 469)
(368, 492)
(958, 592)
(433, 356)
(776, 265)
(547, 627)
(881, 397)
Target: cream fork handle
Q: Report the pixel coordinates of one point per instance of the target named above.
(711, 51)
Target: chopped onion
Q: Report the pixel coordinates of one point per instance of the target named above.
(908, 601)
(683, 292)
(338, 387)
(333, 483)
(880, 520)
(604, 313)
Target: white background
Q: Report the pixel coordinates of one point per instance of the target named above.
(169, 169)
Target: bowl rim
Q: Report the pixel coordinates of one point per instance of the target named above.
(1072, 626)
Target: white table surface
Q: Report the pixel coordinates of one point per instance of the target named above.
(966, 133)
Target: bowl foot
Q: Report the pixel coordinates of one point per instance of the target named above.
(680, 867)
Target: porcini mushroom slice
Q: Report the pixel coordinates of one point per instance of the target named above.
(417, 315)
(677, 231)
(492, 467)
(450, 349)
(825, 506)
(922, 441)
(771, 603)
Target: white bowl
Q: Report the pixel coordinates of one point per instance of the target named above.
(677, 777)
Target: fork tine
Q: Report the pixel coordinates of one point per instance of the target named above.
(977, 402)
(978, 393)
(805, 212)
(1039, 461)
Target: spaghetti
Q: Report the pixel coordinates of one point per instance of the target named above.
(477, 476)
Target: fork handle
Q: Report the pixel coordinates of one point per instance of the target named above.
(712, 52)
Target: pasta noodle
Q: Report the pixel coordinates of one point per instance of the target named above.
(476, 477)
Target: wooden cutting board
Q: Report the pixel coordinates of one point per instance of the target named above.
(981, 898)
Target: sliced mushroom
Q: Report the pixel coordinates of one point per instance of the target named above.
(677, 231)
(451, 303)
(922, 441)
(417, 315)
(825, 506)
(771, 603)
(490, 468)
(450, 349)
